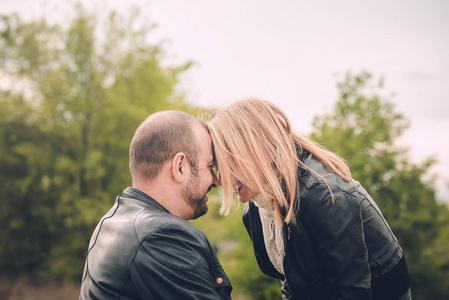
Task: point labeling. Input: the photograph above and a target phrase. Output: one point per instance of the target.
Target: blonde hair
(255, 145)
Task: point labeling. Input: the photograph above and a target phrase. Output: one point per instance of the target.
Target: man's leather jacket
(141, 251)
(336, 250)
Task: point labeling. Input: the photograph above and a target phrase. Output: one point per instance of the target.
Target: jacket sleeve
(175, 263)
(336, 229)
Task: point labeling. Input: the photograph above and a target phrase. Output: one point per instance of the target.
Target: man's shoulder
(156, 222)
(184, 244)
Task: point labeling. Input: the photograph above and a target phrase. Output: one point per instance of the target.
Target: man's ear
(179, 167)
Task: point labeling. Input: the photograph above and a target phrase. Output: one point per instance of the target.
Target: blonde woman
(311, 224)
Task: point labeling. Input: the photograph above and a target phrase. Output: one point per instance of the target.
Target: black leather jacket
(340, 250)
(141, 251)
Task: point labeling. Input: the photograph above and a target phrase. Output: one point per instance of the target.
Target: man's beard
(195, 198)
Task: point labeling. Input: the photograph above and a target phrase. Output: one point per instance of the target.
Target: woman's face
(243, 193)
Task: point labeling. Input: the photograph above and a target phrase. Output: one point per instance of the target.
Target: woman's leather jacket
(338, 249)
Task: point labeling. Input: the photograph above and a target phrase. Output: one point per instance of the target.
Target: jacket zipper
(289, 231)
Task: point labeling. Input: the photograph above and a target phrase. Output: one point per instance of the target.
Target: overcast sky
(288, 52)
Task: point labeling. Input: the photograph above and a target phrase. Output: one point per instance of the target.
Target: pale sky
(288, 52)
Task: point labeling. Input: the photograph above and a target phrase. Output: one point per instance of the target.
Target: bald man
(144, 248)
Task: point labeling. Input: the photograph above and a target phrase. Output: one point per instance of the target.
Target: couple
(311, 225)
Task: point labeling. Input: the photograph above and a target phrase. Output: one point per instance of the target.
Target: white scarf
(272, 233)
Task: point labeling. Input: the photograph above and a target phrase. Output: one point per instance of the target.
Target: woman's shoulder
(314, 172)
(318, 181)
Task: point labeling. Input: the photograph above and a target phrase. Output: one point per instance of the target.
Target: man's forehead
(205, 143)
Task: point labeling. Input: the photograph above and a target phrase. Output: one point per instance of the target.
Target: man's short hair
(159, 138)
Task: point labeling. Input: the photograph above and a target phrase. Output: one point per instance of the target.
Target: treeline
(72, 96)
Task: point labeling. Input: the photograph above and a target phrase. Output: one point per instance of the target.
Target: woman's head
(255, 151)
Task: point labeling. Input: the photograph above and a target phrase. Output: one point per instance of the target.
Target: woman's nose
(215, 181)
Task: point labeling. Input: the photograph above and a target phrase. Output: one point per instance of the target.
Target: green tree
(73, 97)
(363, 128)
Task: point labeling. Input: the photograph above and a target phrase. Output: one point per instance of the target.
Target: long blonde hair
(255, 145)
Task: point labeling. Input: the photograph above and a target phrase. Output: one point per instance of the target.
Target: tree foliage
(363, 128)
(72, 99)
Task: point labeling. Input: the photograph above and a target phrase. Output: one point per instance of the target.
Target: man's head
(159, 138)
(174, 148)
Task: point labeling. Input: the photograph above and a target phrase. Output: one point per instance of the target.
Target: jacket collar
(136, 194)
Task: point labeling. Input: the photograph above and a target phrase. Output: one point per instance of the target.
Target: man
(144, 248)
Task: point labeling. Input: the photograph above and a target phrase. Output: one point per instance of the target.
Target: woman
(311, 224)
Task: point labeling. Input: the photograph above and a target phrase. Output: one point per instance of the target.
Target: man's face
(204, 179)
